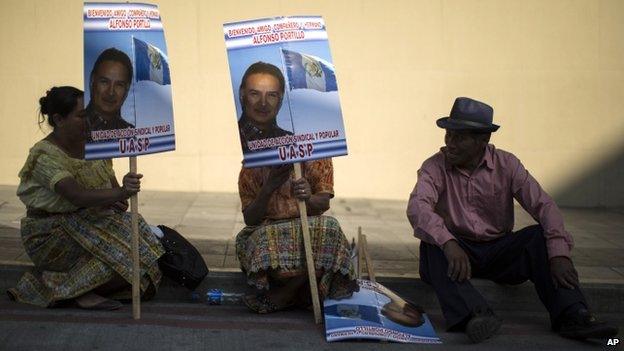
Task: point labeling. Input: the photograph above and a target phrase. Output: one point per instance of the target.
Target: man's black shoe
(583, 325)
(483, 326)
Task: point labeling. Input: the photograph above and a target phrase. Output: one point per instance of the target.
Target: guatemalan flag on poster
(309, 72)
(151, 63)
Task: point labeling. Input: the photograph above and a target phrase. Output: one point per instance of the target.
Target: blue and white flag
(309, 72)
(151, 63)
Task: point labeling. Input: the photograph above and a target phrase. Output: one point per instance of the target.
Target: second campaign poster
(127, 81)
(376, 312)
(285, 90)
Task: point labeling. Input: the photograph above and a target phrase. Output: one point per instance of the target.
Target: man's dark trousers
(511, 259)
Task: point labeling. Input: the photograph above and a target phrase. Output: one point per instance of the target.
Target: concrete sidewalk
(212, 220)
(179, 326)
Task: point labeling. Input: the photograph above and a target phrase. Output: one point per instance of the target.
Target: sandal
(260, 304)
(106, 305)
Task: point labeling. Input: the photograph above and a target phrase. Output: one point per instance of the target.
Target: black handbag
(181, 261)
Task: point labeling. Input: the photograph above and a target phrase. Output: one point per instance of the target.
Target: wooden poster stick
(369, 261)
(305, 230)
(360, 265)
(136, 275)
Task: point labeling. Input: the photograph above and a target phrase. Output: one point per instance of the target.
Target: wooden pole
(305, 231)
(136, 274)
(369, 261)
(361, 254)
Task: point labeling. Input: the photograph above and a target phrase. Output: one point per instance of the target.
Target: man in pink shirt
(462, 210)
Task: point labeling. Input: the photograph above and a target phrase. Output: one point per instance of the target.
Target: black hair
(263, 67)
(58, 100)
(112, 54)
(412, 321)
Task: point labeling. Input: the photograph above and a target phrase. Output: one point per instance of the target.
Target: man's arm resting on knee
(428, 225)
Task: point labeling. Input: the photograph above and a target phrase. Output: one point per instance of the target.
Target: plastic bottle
(218, 297)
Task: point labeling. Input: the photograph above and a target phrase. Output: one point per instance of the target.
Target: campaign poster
(127, 81)
(376, 312)
(285, 90)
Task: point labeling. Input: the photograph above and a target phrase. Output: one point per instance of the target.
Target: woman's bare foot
(282, 297)
(277, 298)
(93, 301)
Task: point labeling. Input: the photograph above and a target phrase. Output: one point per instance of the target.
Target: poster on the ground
(375, 312)
(285, 90)
(127, 81)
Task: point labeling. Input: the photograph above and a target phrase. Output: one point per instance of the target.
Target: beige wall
(552, 70)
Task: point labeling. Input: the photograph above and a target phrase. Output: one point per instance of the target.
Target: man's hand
(563, 272)
(459, 268)
(277, 176)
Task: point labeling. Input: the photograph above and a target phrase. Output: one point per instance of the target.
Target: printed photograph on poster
(285, 90)
(127, 81)
(376, 312)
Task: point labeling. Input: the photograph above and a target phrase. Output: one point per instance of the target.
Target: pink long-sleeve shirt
(479, 206)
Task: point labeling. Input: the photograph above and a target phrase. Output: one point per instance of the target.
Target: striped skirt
(76, 252)
(272, 251)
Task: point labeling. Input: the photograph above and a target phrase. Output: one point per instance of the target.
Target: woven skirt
(76, 252)
(276, 250)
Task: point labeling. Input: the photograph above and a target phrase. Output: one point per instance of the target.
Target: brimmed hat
(469, 114)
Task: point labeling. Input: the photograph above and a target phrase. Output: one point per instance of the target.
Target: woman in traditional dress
(270, 249)
(76, 230)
